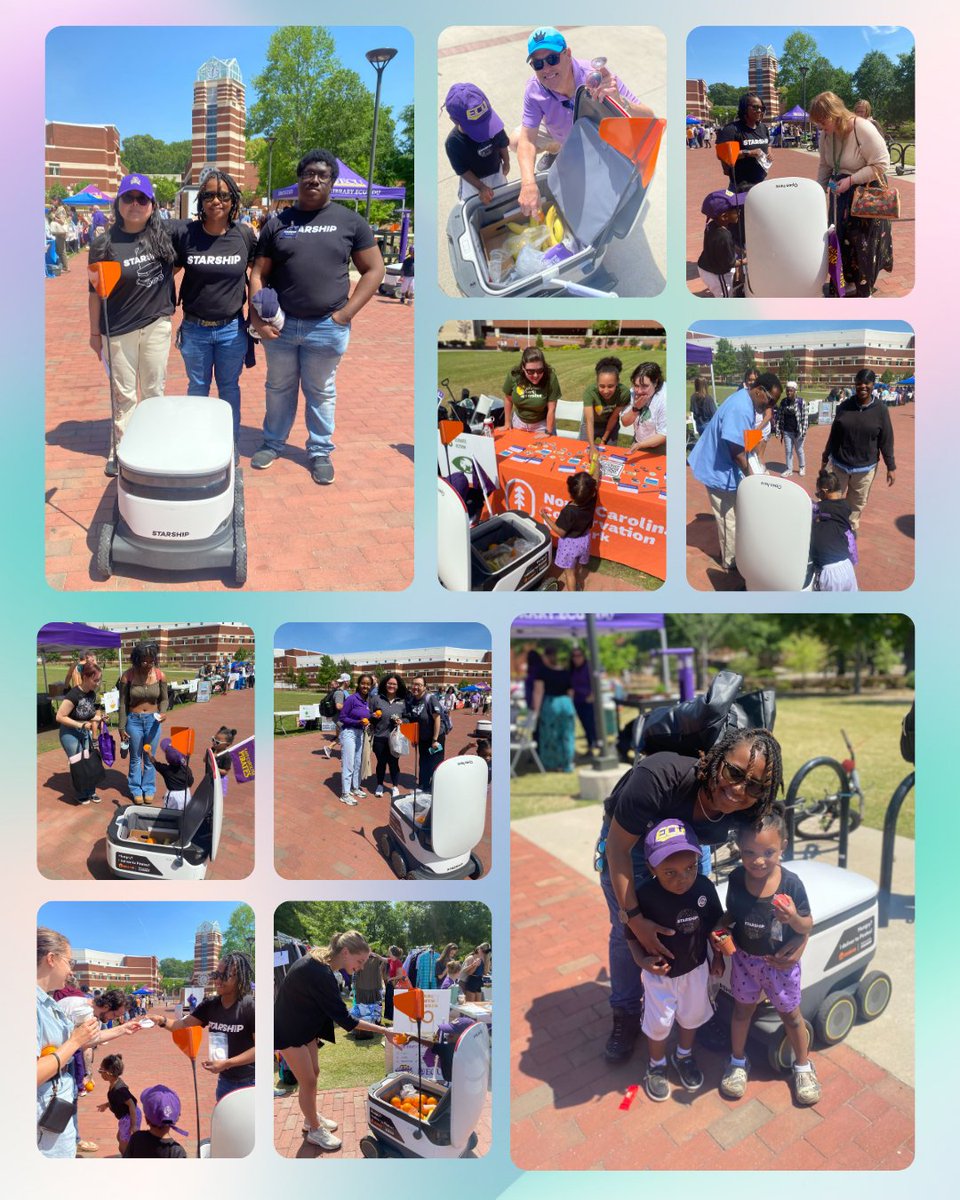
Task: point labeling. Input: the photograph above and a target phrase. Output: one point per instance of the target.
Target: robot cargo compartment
(152, 837)
(501, 544)
(392, 1091)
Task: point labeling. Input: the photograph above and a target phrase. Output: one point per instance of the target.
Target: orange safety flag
(182, 738)
(728, 152)
(104, 277)
(411, 731)
(637, 138)
(410, 1003)
(188, 1040)
(752, 439)
(449, 431)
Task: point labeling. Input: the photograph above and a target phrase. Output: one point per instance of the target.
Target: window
(53, 168)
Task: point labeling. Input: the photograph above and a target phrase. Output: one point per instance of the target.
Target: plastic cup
(498, 265)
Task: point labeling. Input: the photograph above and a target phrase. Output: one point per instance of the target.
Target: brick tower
(219, 118)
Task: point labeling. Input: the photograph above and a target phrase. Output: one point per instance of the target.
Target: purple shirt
(355, 708)
(555, 112)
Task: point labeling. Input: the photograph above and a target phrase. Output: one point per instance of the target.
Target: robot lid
(178, 436)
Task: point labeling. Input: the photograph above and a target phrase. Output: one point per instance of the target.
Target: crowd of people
(860, 438)
(311, 1000)
(74, 1022)
(368, 716)
(558, 691)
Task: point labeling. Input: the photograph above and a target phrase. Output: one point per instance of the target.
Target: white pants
(837, 577)
(177, 799)
(139, 357)
(719, 285)
(684, 1000)
(491, 181)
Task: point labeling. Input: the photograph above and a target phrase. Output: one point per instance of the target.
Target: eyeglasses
(534, 370)
(223, 197)
(736, 776)
(316, 177)
(758, 107)
(549, 60)
(135, 198)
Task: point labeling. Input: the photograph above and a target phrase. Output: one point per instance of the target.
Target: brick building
(762, 71)
(698, 100)
(218, 121)
(82, 154)
(519, 333)
(188, 645)
(104, 969)
(207, 945)
(441, 666)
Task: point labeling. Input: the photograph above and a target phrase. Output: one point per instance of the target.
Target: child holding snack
(176, 774)
(574, 528)
(120, 1100)
(769, 915)
(676, 990)
(477, 146)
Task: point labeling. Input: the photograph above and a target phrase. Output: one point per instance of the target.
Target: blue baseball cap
(669, 837)
(136, 183)
(545, 38)
(472, 111)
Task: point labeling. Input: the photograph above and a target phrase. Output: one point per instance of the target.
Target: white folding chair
(522, 742)
(570, 412)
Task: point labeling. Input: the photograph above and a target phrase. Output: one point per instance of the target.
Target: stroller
(597, 185)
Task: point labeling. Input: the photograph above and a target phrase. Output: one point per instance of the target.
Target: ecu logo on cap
(478, 111)
(668, 832)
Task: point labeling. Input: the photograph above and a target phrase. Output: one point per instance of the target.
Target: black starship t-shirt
(144, 291)
(230, 1029)
(482, 158)
(214, 284)
(757, 928)
(692, 916)
(310, 256)
(748, 170)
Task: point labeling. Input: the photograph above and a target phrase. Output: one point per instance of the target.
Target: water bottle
(488, 427)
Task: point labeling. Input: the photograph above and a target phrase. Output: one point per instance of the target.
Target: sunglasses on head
(548, 60)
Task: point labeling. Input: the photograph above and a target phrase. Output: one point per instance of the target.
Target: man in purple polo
(548, 98)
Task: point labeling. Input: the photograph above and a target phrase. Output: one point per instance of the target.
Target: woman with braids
(139, 308)
(603, 401)
(229, 1021)
(530, 394)
(306, 1007)
(144, 701)
(216, 252)
(732, 784)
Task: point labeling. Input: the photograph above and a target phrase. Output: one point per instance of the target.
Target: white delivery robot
(144, 842)
(232, 1125)
(179, 494)
(785, 227)
(432, 835)
(774, 519)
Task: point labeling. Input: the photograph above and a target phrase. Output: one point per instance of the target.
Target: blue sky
(165, 929)
(140, 78)
(718, 54)
(759, 328)
(350, 639)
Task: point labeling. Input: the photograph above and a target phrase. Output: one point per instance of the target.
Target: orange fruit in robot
(396, 1102)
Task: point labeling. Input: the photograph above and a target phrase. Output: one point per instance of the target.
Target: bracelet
(59, 1063)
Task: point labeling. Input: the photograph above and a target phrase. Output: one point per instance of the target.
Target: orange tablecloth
(630, 526)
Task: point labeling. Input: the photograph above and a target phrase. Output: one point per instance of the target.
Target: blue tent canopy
(909, 379)
(348, 186)
(87, 198)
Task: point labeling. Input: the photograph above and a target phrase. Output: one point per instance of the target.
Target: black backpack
(328, 705)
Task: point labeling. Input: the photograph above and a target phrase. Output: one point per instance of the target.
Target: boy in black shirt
(720, 252)
(161, 1111)
(676, 989)
(478, 147)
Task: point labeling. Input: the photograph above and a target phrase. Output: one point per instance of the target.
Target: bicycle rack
(890, 819)
(844, 837)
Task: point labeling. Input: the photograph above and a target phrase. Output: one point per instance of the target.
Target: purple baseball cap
(546, 38)
(472, 111)
(719, 202)
(174, 757)
(136, 183)
(161, 1106)
(669, 837)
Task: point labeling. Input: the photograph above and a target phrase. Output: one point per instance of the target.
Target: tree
(606, 328)
(876, 80)
(799, 50)
(789, 367)
(723, 114)
(724, 358)
(176, 966)
(746, 359)
(901, 101)
(539, 339)
(302, 681)
(725, 93)
(143, 153)
(398, 168)
(853, 637)
(803, 654)
(240, 932)
(56, 192)
(165, 190)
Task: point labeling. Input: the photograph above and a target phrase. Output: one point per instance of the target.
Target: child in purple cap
(161, 1111)
(686, 906)
(477, 146)
(176, 775)
(719, 257)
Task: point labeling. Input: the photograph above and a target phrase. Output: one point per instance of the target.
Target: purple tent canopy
(795, 114)
(71, 635)
(574, 624)
(348, 186)
(699, 355)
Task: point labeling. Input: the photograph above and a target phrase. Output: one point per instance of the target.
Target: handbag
(59, 1112)
(107, 747)
(876, 201)
(86, 771)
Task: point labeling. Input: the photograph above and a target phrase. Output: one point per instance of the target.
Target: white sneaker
(801, 472)
(325, 1123)
(396, 793)
(360, 793)
(324, 1139)
(346, 798)
(378, 792)
(787, 474)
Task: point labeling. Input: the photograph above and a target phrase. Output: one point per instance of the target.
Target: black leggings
(381, 751)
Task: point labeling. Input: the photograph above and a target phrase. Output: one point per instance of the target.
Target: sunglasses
(207, 197)
(221, 975)
(549, 60)
(135, 198)
(534, 370)
(737, 777)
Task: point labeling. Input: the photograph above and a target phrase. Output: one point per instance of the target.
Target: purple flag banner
(242, 757)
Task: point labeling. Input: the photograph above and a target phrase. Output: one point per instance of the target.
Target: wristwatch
(627, 914)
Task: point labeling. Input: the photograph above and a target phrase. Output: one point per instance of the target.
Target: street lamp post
(270, 139)
(377, 59)
(803, 81)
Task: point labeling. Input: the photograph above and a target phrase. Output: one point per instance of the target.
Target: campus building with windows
(207, 946)
(99, 969)
(440, 666)
(763, 70)
(189, 645)
(75, 155)
(218, 123)
(698, 99)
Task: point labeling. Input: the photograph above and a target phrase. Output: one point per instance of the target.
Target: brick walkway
(348, 1108)
(704, 174)
(295, 529)
(71, 839)
(885, 541)
(149, 1057)
(307, 800)
(565, 1112)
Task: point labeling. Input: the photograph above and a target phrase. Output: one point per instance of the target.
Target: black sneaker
(623, 1036)
(687, 1071)
(545, 162)
(111, 468)
(264, 457)
(655, 1083)
(321, 470)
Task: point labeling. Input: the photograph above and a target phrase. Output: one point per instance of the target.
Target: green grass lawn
(806, 726)
(288, 700)
(813, 395)
(483, 371)
(350, 1064)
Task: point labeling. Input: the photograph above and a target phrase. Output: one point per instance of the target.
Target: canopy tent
(348, 186)
(795, 114)
(88, 197)
(694, 121)
(909, 379)
(700, 355)
(72, 635)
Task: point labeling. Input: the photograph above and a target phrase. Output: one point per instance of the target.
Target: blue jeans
(792, 442)
(226, 1086)
(73, 741)
(351, 756)
(429, 763)
(626, 989)
(305, 355)
(209, 351)
(142, 775)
